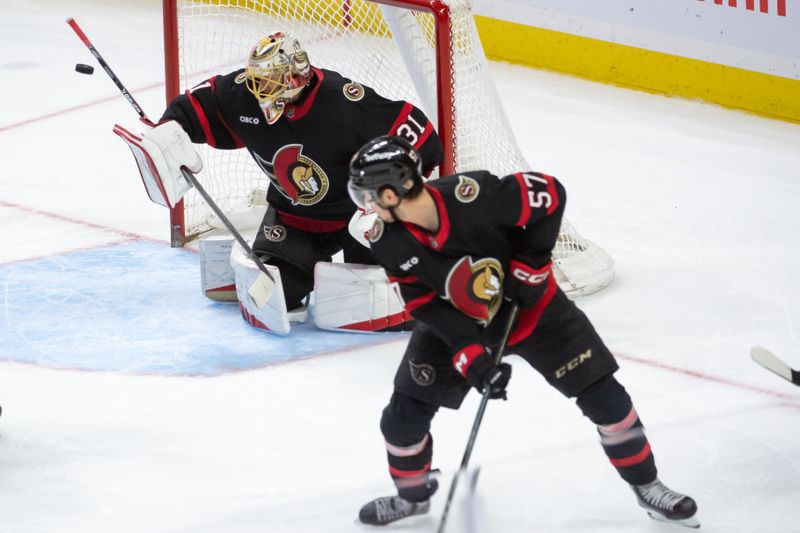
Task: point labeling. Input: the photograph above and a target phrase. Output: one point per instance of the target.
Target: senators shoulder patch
(467, 189)
(353, 91)
(376, 231)
(275, 233)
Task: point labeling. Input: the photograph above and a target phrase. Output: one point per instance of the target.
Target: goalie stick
(261, 290)
(771, 362)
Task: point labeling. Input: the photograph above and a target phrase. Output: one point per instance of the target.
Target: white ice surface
(697, 204)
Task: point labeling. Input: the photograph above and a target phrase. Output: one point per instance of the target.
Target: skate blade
(690, 522)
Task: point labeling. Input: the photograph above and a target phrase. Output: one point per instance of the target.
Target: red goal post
(424, 51)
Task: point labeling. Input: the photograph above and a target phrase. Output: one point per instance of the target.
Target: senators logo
(353, 91)
(297, 177)
(376, 231)
(275, 233)
(467, 189)
(423, 374)
(476, 289)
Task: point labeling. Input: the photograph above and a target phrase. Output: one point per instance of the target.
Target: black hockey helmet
(385, 161)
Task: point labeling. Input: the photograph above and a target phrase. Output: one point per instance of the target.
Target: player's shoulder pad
(467, 187)
(350, 90)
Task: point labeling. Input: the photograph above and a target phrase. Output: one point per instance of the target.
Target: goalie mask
(276, 73)
(385, 161)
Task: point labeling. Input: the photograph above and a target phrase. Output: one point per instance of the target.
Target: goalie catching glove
(160, 154)
(473, 363)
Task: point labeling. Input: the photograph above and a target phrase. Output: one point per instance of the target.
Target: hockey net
(424, 51)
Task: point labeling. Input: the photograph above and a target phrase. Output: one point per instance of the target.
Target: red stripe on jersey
(396, 472)
(465, 356)
(425, 134)
(201, 116)
(303, 109)
(236, 139)
(420, 301)
(633, 459)
(402, 279)
(239, 142)
(551, 190)
(401, 118)
(525, 213)
(529, 318)
(433, 241)
(444, 219)
(311, 225)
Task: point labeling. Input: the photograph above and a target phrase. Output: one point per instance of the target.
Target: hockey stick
(771, 362)
(82, 36)
(498, 355)
(261, 290)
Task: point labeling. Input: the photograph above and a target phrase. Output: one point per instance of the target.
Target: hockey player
(301, 124)
(457, 247)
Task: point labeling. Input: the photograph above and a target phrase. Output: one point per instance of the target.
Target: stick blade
(770, 361)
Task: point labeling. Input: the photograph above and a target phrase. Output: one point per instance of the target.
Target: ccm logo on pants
(573, 363)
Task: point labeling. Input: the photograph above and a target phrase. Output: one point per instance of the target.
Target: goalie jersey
(306, 152)
(452, 280)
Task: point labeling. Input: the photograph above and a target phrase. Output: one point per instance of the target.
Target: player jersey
(452, 280)
(305, 153)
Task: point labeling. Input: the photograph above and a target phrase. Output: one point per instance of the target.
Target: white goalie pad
(272, 315)
(360, 224)
(355, 298)
(160, 153)
(217, 278)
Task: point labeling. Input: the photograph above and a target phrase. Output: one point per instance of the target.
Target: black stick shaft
(82, 36)
(473, 435)
(191, 178)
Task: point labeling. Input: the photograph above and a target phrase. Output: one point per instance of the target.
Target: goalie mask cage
(424, 51)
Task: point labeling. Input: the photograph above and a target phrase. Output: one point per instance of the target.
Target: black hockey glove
(526, 284)
(477, 367)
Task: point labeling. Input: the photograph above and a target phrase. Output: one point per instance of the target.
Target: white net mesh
(392, 50)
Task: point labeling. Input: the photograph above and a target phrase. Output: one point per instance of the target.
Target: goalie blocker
(347, 297)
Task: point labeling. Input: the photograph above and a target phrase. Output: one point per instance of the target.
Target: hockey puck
(84, 69)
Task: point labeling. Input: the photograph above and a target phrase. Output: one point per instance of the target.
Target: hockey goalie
(301, 124)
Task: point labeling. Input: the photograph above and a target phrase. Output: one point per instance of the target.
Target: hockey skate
(666, 505)
(382, 511)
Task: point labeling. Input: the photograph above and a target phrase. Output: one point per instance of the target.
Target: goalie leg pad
(217, 277)
(272, 316)
(350, 297)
